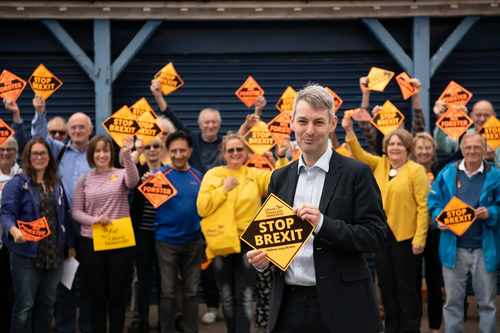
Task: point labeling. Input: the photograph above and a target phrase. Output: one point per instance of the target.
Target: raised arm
(39, 126)
(418, 114)
(131, 173)
(17, 124)
(164, 109)
(366, 127)
(357, 152)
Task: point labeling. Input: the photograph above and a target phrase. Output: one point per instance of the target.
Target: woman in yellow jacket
(243, 188)
(404, 188)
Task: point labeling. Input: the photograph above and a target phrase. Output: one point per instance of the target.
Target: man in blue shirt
(475, 182)
(179, 242)
(72, 163)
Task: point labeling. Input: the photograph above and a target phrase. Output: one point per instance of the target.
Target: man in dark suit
(328, 286)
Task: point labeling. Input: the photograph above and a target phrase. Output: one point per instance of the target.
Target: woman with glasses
(236, 185)
(36, 261)
(138, 155)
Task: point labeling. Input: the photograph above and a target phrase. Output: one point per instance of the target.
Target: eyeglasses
(61, 133)
(151, 147)
(231, 150)
(6, 150)
(37, 154)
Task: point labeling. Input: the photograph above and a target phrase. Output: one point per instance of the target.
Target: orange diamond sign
(43, 82)
(249, 92)
(260, 162)
(285, 103)
(121, 124)
(454, 123)
(5, 132)
(338, 101)
(388, 119)
(379, 78)
(169, 79)
(280, 127)
(140, 107)
(491, 131)
(259, 138)
(158, 189)
(148, 128)
(457, 215)
(455, 95)
(407, 88)
(11, 86)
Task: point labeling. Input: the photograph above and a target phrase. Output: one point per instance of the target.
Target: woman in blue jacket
(36, 263)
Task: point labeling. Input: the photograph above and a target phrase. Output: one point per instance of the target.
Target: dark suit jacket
(354, 224)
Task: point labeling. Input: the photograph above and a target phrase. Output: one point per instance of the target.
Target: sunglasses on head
(231, 150)
(61, 133)
(157, 146)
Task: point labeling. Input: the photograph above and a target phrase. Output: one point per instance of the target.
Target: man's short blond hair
(318, 97)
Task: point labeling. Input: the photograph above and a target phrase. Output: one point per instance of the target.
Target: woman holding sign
(235, 192)
(100, 197)
(404, 188)
(33, 218)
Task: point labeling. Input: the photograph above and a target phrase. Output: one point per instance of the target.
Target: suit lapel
(331, 180)
(291, 184)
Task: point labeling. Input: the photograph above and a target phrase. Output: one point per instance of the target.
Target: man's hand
(462, 108)
(230, 182)
(490, 154)
(11, 106)
(310, 212)
(146, 176)
(439, 108)
(363, 84)
(417, 249)
(39, 104)
(156, 88)
(71, 252)
(482, 213)
(376, 109)
(443, 227)
(257, 259)
(259, 105)
(17, 235)
(416, 84)
(251, 121)
(283, 147)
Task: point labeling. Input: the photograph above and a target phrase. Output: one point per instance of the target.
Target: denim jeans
(35, 295)
(236, 279)
(485, 288)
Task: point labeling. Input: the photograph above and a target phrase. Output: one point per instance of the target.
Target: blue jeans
(485, 288)
(236, 279)
(35, 292)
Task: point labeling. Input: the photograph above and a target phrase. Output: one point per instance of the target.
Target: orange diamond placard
(36, 230)
(454, 123)
(148, 128)
(43, 82)
(285, 103)
(169, 79)
(158, 189)
(378, 79)
(455, 95)
(140, 107)
(5, 132)
(121, 124)
(457, 215)
(280, 127)
(388, 119)
(11, 86)
(338, 101)
(407, 88)
(491, 131)
(259, 138)
(249, 92)
(260, 162)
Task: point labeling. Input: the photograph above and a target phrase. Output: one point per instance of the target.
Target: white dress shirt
(309, 189)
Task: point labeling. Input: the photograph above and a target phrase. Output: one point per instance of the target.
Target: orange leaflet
(378, 78)
(43, 82)
(454, 123)
(260, 162)
(249, 92)
(491, 131)
(158, 189)
(455, 95)
(36, 230)
(407, 88)
(280, 127)
(457, 215)
(338, 101)
(5, 132)
(11, 86)
(169, 79)
(285, 103)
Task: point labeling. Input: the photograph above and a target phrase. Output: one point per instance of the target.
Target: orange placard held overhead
(140, 107)
(280, 127)
(455, 95)
(378, 79)
(407, 88)
(121, 124)
(169, 79)
(454, 123)
(338, 101)
(158, 189)
(259, 138)
(260, 162)
(361, 115)
(5, 132)
(457, 215)
(249, 92)
(491, 132)
(43, 82)
(285, 103)
(34, 231)
(11, 86)
(388, 119)
(148, 128)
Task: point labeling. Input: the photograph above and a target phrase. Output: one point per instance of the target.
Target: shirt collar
(68, 146)
(323, 162)
(461, 167)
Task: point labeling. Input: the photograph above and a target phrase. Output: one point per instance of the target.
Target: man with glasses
(58, 129)
(72, 160)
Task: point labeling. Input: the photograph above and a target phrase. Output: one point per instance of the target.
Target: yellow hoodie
(404, 197)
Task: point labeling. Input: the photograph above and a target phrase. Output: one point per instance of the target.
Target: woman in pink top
(100, 197)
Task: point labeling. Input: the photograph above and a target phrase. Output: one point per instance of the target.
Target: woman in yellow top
(404, 188)
(243, 187)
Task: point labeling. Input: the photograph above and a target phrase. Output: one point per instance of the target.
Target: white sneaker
(210, 316)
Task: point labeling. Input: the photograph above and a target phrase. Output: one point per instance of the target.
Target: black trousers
(299, 312)
(433, 279)
(107, 274)
(210, 290)
(397, 269)
(6, 290)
